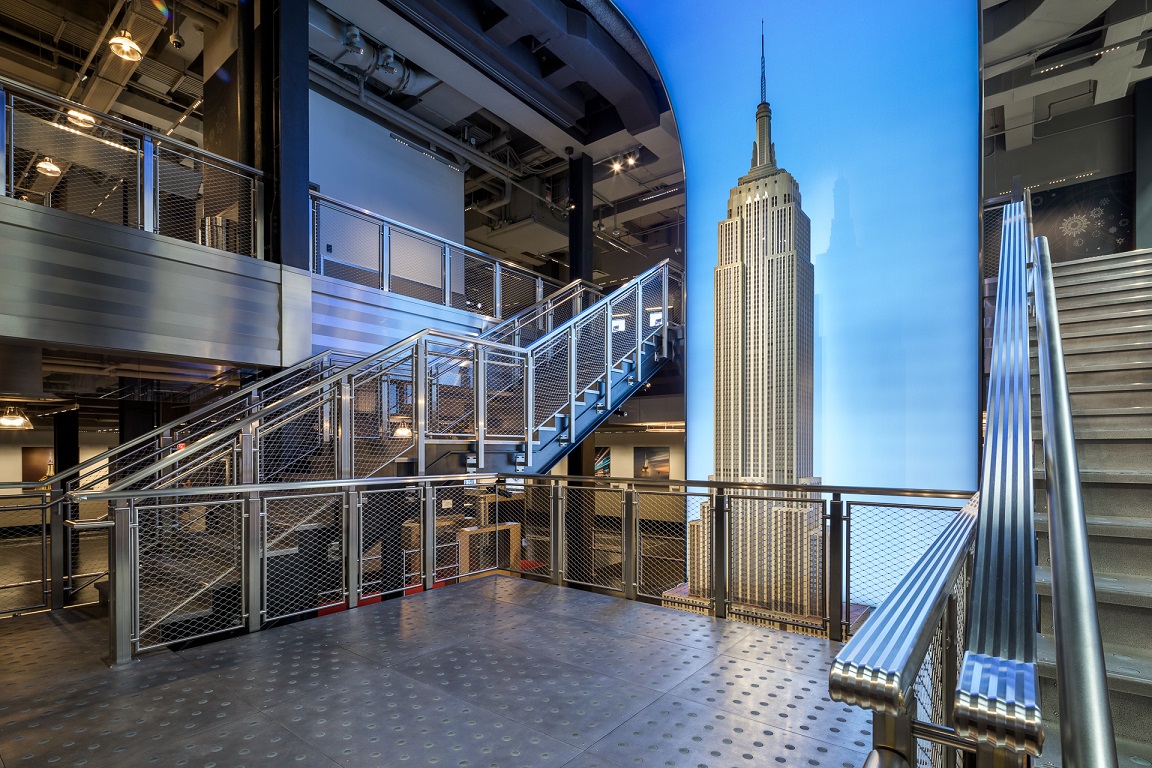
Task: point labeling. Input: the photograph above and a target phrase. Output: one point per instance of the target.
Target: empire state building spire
(763, 152)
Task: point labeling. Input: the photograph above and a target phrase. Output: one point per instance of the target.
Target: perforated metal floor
(493, 672)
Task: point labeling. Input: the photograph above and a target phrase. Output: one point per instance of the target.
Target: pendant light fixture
(14, 418)
(125, 47)
(47, 167)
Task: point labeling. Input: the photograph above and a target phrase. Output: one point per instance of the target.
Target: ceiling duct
(344, 44)
(145, 23)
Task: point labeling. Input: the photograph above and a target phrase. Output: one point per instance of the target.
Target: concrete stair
(1105, 307)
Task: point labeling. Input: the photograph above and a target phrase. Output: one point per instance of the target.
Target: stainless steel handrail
(1086, 734)
(878, 667)
(158, 432)
(14, 86)
(997, 700)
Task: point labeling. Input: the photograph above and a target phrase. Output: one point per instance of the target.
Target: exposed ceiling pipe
(100, 38)
(500, 202)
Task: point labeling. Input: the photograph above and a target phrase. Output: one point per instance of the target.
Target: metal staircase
(515, 399)
(1105, 306)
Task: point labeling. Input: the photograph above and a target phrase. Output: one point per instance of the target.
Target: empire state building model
(764, 323)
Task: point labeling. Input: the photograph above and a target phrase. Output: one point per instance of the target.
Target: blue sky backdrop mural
(875, 113)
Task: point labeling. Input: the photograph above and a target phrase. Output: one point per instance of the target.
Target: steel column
(352, 546)
(556, 503)
(123, 586)
(420, 407)
(252, 561)
(428, 539)
(630, 569)
(835, 586)
(480, 388)
(720, 554)
(59, 540)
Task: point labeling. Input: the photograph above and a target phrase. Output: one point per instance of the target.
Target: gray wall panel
(365, 320)
(77, 281)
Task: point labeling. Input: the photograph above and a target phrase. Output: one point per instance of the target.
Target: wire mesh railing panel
(675, 298)
(470, 539)
(188, 563)
(201, 202)
(776, 559)
(550, 378)
(347, 246)
(473, 282)
(662, 543)
(416, 266)
(86, 564)
(594, 536)
(298, 441)
(652, 304)
(24, 553)
(391, 541)
(530, 507)
(451, 390)
(884, 542)
(303, 546)
(383, 414)
(623, 324)
(517, 292)
(68, 161)
(506, 396)
(993, 230)
(591, 351)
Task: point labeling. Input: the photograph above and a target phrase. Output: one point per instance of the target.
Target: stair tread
(1129, 668)
(1101, 262)
(1123, 365)
(1108, 525)
(1115, 588)
(1133, 477)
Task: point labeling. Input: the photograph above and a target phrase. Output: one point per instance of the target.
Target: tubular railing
(991, 691)
(192, 562)
(1086, 734)
(436, 387)
(62, 155)
(359, 246)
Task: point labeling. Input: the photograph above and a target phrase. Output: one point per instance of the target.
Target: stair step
(1111, 588)
(1116, 544)
(1125, 275)
(1092, 476)
(1088, 396)
(1109, 450)
(1128, 418)
(1087, 300)
(1130, 754)
(1140, 284)
(1097, 263)
(1129, 669)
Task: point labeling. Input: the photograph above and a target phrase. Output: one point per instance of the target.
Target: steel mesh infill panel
(417, 266)
(303, 548)
(550, 372)
(451, 391)
(776, 559)
(391, 541)
(470, 538)
(675, 302)
(347, 246)
(189, 561)
(884, 542)
(473, 283)
(530, 506)
(591, 351)
(91, 170)
(23, 553)
(517, 292)
(623, 325)
(594, 536)
(201, 202)
(993, 230)
(383, 415)
(652, 304)
(298, 441)
(665, 546)
(505, 388)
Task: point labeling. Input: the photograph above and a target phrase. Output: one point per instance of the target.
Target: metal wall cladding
(76, 281)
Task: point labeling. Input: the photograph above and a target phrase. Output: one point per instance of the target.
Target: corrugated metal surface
(72, 280)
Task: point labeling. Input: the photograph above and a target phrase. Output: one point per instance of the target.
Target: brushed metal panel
(295, 315)
(363, 320)
(72, 280)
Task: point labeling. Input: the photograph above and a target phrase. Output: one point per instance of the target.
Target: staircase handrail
(110, 455)
(569, 292)
(1087, 737)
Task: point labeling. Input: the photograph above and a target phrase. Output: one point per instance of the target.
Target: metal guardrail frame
(448, 249)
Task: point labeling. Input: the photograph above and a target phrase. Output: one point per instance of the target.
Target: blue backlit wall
(875, 112)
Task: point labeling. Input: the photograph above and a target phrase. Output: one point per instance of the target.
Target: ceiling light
(81, 119)
(125, 47)
(48, 168)
(617, 166)
(403, 431)
(14, 418)
(631, 160)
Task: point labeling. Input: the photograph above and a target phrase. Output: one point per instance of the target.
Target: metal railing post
(446, 268)
(5, 145)
(345, 448)
(572, 331)
(122, 582)
(258, 219)
(352, 546)
(420, 415)
(608, 359)
(429, 538)
(631, 553)
(480, 388)
(836, 552)
(529, 406)
(639, 329)
(149, 194)
(556, 544)
(60, 539)
(720, 554)
(664, 312)
(498, 291)
(893, 744)
(253, 519)
(385, 258)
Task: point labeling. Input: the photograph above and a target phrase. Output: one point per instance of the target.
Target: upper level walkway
(492, 672)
